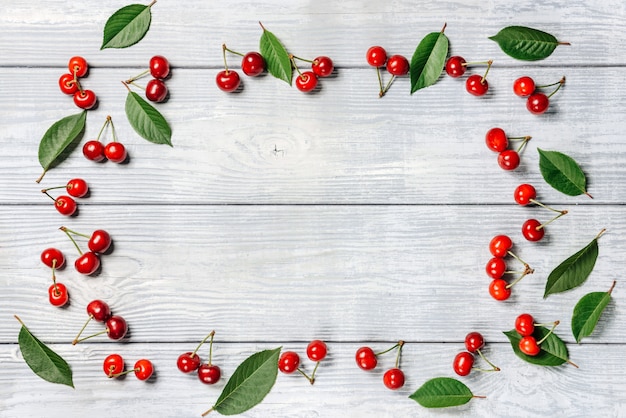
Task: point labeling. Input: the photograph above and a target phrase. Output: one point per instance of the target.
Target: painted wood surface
(279, 217)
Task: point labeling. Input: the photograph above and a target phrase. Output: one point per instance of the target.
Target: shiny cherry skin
(455, 66)
(65, 205)
(306, 82)
(474, 341)
(496, 140)
(49, 255)
(537, 103)
(67, 84)
(366, 358)
(98, 310)
(397, 65)
(143, 369)
(209, 374)
(100, 241)
(495, 267)
(393, 379)
(530, 231)
(524, 86)
(500, 245)
(498, 289)
(113, 365)
(322, 66)
(188, 362)
(509, 159)
(116, 327)
(476, 86)
(227, 80)
(85, 99)
(316, 350)
(156, 90)
(525, 324)
(93, 150)
(376, 56)
(159, 67)
(253, 64)
(528, 345)
(463, 363)
(288, 362)
(78, 65)
(77, 187)
(58, 295)
(88, 263)
(115, 152)
(524, 194)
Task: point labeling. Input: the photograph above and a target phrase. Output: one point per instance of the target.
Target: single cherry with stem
(252, 63)
(397, 66)
(305, 81)
(65, 205)
(538, 102)
(156, 90)
(474, 342)
(53, 258)
(463, 363)
(208, 373)
(78, 66)
(99, 240)
(476, 84)
(115, 151)
(88, 262)
(367, 359)
(497, 140)
(394, 378)
(116, 329)
(75, 187)
(227, 80)
(97, 310)
(510, 159)
(57, 293)
(316, 351)
(524, 86)
(113, 365)
(534, 231)
(68, 84)
(85, 99)
(529, 344)
(376, 56)
(526, 193)
(456, 66)
(159, 67)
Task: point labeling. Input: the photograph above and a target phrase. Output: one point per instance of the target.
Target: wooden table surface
(279, 217)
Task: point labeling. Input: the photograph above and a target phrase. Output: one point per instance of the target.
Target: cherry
(159, 67)
(524, 86)
(509, 159)
(156, 90)
(143, 369)
(316, 350)
(115, 151)
(500, 245)
(532, 230)
(463, 363)
(474, 341)
(100, 241)
(188, 362)
(78, 66)
(525, 194)
(525, 324)
(85, 99)
(496, 140)
(288, 362)
(68, 84)
(65, 205)
(98, 310)
(499, 289)
(322, 66)
(366, 358)
(209, 374)
(306, 81)
(113, 365)
(88, 263)
(253, 64)
(393, 378)
(537, 103)
(93, 150)
(376, 56)
(57, 294)
(227, 80)
(496, 267)
(116, 327)
(77, 187)
(53, 258)
(477, 85)
(397, 65)
(528, 345)
(455, 66)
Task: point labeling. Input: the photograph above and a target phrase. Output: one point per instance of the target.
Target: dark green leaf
(526, 44)
(54, 147)
(251, 382)
(562, 172)
(574, 270)
(146, 120)
(442, 392)
(276, 56)
(127, 26)
(428, 60)
(42, 360)
(553, 350)
(587, 312)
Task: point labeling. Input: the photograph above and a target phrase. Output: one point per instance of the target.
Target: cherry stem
(381, 93)
(309, 378)
(104, 125)
(293, 63)
(53, 188)
(64, 229)
(143, 73)
(111, 376)
(560, 84)
(482, 80)
(134, 84)
(465, 64)
(386, 89)
(231, 51)
(211, 334)
(527, 270)
(544, 206)
(398, 344)
(224, 56)
(126, 85)
(211, 347)
(76, 339)
(543, 225)
(512, 254)
(302, 59)
(523, 144)
(113, 134)
(45, 191)
(317, 364)
(554, 324)
(54, 278)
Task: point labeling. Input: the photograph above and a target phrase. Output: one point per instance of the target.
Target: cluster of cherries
(525, 327)
(156, 89)
(396, 65)
(476, 84)
(113, 367)
(532, 229)
(367, 359)
(114, 151)
(536, 102)
(188, 362)
(463, 362)
(500, 247)
(498, 141)
(69, 84)
(115, 326)
(66, 205)
(289, 361)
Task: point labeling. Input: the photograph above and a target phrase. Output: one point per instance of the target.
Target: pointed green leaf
(276, 56)
(42, 360)
(428, 60)
(127, 26)
(553, 350)
(526, 44)
(54, 147)
(146, 120)
(587, 312)
(442, 392)
(562, 173)
(250, 383)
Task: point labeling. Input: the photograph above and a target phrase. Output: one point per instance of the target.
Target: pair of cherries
(114, 151)
(57, 292)
(525, 327)
(69, 84)
(536, 102)
(498, 141)
(113, 367)
(98, 243)
(476, 84)
(66, 205)
(367, 359)
(289, 361)
(208, 373)
(396, 65)
(463, 362)
(532, 229)
(159, 68)
(115, 326)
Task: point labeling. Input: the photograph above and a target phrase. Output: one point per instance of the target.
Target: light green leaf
(442, 392)
(526, 44)
(127, 26)
(276, 56)
(146, 120)
(60, 139)
(587, 312)
(562, 173)
(428, 60)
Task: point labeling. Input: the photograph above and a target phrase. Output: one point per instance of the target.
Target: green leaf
(428, 60)
(587, 312)
(574, 270)
(127, 26)
(276, 56)
(562, 173)
(442, 392)
(250, 383)
(526, 44)
(42, 360)
(146, 120)
(54, 147)
(553, 350)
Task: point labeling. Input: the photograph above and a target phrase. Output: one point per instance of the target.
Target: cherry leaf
(526, 44)
(59, 140)
(250, 383)
(587, 312)
(146, 120)
(562, 173)
(442, 392)
(573, 271)
(42, 360)
(428, 60)
(127, 26)
(276, 56)
(553, 350)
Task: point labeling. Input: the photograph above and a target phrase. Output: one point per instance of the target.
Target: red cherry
(528, 345)
(397, 65)
(474, 341)
(87, 263)
(500, 245)
(393, 378)
(288, 362)
(307, 81)
(77, 187)
(476, 86)
(116, 327)
(524, 193)
(525, 324)
(455, 66)
(98, 310)
(115, 151)
(113, 364)
(498, 289)
(508, 159)
(496, 140)
(49, 255)
(524, 86)
(322, 66)
(156, 90)
(93, 150)
(495, 267)
(78, 65)
(316, 350)
(366, 358)
(67, 84)
(188, 362)
(227, 80)
(159, 67)
(143, 369)
(376, 56)
(463, 363)
(57, 294)
(253, 64)
(537, 103)
(65, 205)
(100, 241)
(530, 231)
(85, 99)
(209, 374)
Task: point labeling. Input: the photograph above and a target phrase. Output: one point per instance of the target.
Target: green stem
(386, 89)
(138, 76)
(106, 122)
(293, 63)
(231, 51)
(560, 84)
(211, 334)
(527, 270)
(398, 344)
(523, 144)
(548, 334)
(381, 93)
(310, 379)
(302, 59)
(64, 229)
(76, 340)
(224, 56)
(544, 206)
(563, 212)
(74, 232)
(113, 133)
(482, 80)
